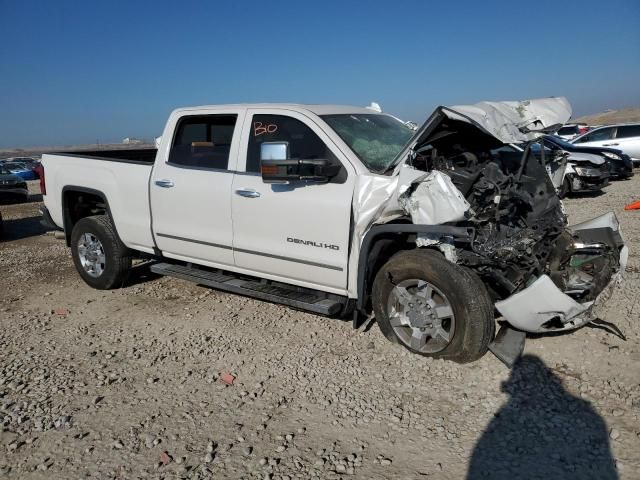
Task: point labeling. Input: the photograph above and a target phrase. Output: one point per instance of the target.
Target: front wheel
(433, 307)
(101, 259)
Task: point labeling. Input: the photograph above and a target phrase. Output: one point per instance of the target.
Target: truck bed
(145, 156)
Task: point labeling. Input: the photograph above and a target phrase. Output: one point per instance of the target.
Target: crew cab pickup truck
(345, 211)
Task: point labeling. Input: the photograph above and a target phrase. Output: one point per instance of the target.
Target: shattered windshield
(375, 139)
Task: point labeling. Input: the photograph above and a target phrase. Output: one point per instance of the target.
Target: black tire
(470, 302)
(566, 188)
(118, 257)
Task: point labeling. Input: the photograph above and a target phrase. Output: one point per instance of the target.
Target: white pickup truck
(346, 211)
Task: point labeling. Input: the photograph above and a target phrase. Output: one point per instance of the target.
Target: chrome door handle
(164, 183)
(247, 192)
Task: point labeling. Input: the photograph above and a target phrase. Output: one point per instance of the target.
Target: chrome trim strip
(252, 252)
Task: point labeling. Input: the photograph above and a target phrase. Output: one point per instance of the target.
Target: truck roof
(318, 109)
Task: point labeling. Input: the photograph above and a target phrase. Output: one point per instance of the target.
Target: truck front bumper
(543, 307)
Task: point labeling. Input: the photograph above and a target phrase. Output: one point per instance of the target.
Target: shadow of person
(543, 432)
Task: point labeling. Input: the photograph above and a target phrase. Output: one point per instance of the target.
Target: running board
(297, 297)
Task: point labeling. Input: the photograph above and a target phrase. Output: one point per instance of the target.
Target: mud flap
(508, 345)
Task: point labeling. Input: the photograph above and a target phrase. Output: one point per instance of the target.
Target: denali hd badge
(312, 243)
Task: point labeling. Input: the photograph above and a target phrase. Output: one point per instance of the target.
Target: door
(628, 140)
(191, 190)
(298, 233)
(596, 138)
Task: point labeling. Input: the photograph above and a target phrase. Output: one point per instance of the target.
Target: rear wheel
(101, 259)
(433, 307)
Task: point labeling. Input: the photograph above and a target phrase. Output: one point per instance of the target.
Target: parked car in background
(620, 164)
(21, 170)
(12, 186)
(573, 172)
(572, 130)
(624, 137)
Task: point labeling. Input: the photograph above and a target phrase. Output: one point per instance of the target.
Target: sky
(76, 72)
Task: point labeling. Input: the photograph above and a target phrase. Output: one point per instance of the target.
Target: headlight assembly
(587, 172)
(611, 155)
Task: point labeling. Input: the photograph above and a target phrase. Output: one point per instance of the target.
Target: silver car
(625, 137)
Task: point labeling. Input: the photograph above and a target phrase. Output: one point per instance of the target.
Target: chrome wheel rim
(91, 254)
(421, 316)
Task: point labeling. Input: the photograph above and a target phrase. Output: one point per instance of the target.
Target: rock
(281, 448)
(148, 440)
(208, 458)
(246, 451)
(614, 434)
(385, 461)
(117, 444)
(165, 458)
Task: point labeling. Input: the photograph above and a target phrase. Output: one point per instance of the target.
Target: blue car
(21, 170)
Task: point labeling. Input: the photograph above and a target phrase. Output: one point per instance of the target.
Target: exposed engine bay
(518, 228)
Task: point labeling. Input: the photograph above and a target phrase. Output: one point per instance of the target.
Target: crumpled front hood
(581, 157)
(508, 121)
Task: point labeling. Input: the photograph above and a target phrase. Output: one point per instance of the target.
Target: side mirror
(277, 167)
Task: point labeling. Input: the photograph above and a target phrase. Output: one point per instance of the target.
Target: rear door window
(627, 131)
(203, 141)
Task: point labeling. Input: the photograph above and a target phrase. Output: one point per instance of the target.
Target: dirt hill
(612, 116)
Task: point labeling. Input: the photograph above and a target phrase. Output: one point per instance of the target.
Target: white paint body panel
(124, 185)
(270, 224)
(198, 205)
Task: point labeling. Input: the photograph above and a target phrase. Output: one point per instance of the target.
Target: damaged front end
(542, 274)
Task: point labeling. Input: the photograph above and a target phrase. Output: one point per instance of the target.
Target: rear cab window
(203, 141)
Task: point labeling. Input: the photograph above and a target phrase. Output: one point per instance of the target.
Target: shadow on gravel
(543, 432)
(141, 273)
(19, 228)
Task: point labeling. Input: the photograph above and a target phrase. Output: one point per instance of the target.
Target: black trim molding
(251, 252)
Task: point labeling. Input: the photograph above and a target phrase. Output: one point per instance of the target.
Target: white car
(340, 210)
(572, 130)
(625, 137)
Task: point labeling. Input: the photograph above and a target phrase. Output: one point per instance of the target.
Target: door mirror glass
(274, 151)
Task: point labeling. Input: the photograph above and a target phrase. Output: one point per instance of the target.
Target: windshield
(375, 139)
(14, 166)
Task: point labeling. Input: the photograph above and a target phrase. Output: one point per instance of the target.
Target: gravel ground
(130, 383)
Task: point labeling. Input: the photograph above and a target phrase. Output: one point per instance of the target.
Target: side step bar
(302, 298)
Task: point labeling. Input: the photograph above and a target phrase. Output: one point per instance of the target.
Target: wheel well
(384, 247)
(381, 242)
(79, 204)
